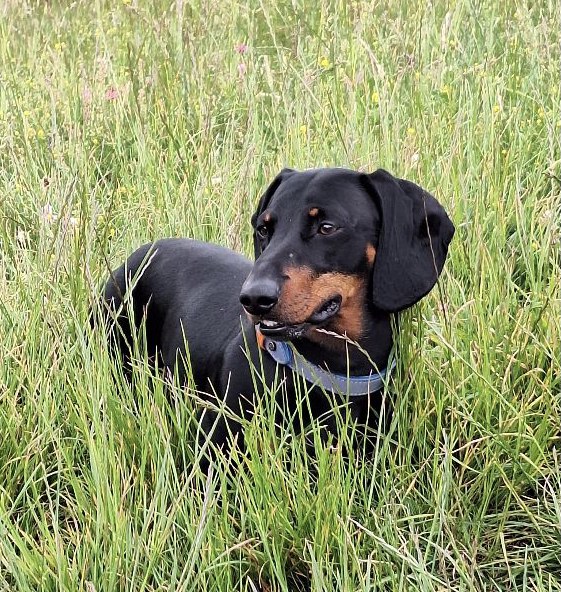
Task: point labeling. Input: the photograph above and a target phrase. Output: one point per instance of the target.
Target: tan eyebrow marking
(267, 217)
(313, 212)
(370, 253)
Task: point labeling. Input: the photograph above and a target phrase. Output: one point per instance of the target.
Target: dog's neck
(342, 356)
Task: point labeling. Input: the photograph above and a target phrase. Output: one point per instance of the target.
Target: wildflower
(60, 46)
(40, 134)
(111, 93)
(47, 214)
(410, 131)
(241, 48)
(303, 129)
(375, 98)
(87, 95)
(496, 108)
(242, 69)
(73, 221)
(22, 237)
(324, 62)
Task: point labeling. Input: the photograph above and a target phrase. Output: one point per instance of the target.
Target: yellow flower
(303, 129)
(375, 98)
(40, 134)
(324, 62)
(496, 108)
(445, 89)
(410, 131)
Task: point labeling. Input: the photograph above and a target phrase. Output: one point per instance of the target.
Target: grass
(121, 122)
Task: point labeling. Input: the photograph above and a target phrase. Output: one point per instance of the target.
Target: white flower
(22, 237)
(47, 214)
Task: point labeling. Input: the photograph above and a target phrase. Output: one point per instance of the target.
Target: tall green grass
(121, 122)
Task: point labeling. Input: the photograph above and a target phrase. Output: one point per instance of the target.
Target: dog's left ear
(412, 243)
(264, 204)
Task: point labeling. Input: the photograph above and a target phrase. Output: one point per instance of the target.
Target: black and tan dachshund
(337, 252)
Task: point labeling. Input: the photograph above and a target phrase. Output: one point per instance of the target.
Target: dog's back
(179, 288)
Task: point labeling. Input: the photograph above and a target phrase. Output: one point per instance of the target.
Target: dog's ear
(264, 203)
(412, 243)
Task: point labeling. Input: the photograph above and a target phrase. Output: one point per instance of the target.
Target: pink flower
(87, 95)
(241, 48)
(111, 93)
(242, 69)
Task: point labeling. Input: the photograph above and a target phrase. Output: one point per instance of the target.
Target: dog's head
(330, 242)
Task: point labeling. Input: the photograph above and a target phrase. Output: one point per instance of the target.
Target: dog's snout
(258, 297)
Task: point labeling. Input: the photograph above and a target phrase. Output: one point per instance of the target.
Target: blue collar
(352, 386)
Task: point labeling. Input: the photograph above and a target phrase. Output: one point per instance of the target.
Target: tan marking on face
(304, 292)
(313, 212)
(267, 218)
(370, 254)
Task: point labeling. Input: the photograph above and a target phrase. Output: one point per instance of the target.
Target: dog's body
(337, 252)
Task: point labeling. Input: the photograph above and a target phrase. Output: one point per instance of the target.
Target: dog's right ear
(412, 243)
(264, 203)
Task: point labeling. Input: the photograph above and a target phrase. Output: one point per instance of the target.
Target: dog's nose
(259, 297)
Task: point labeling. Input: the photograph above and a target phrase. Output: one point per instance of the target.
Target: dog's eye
(327, 228)
(262, 232)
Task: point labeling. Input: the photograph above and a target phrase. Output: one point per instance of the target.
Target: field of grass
(129, 120)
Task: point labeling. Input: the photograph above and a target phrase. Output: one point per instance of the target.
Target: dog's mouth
(320, 317)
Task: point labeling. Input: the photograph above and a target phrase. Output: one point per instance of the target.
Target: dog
(338, 253)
